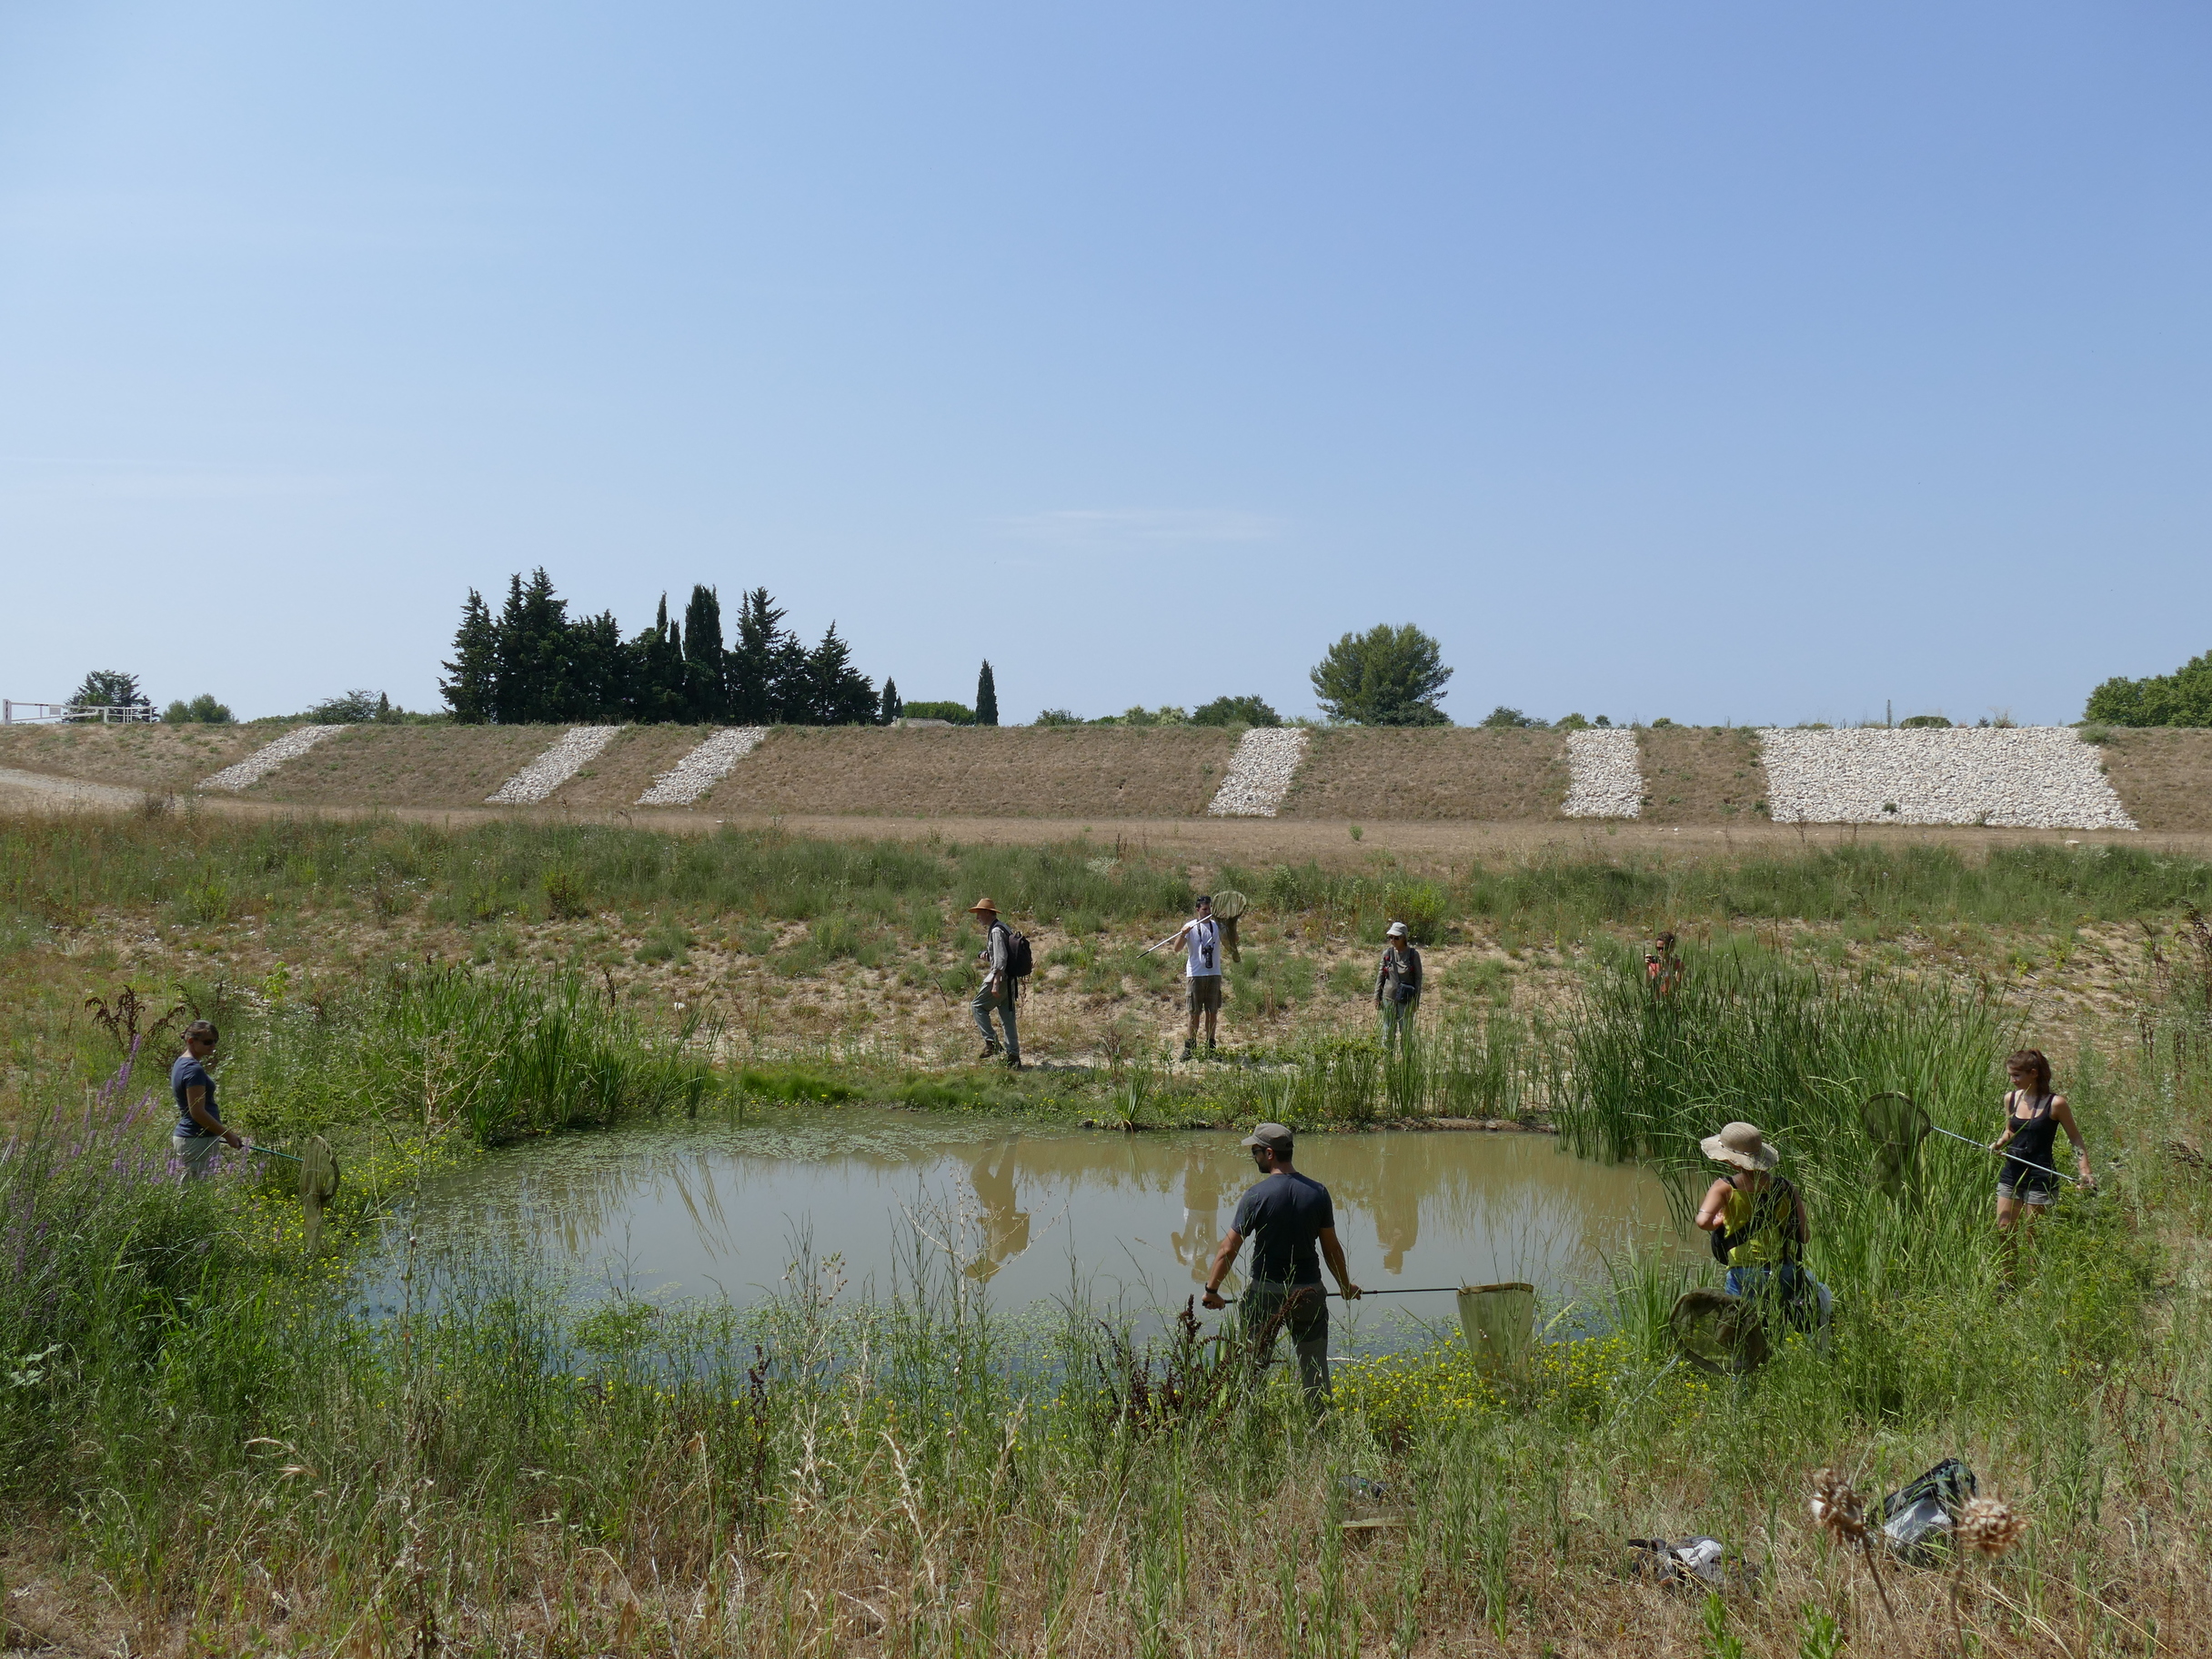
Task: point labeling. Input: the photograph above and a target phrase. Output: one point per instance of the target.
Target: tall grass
(211, 869)
(493, 1055)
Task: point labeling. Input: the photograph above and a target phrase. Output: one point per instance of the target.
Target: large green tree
(704, 684)
(110, 688)
(472, 692)
(1385, 677)
(2183, 697)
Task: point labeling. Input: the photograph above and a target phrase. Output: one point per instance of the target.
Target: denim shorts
(2029, 1186)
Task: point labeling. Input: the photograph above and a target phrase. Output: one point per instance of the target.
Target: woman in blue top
(199, 1127)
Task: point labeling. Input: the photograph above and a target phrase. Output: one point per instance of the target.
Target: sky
(1723, 362)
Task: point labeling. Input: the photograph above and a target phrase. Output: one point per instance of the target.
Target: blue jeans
(986, 999)
(1806, 1301)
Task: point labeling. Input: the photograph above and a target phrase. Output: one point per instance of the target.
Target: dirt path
(1418, 844)
(23, 792)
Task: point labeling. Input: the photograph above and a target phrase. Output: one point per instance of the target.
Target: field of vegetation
(203, 1450)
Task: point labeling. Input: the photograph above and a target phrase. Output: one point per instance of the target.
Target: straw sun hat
(982, 905)
(1743, 1145)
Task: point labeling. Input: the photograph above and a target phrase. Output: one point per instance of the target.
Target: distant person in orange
(1662, 967)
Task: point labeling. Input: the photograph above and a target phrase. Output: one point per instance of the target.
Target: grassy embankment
(843, 967)
(191, 1419)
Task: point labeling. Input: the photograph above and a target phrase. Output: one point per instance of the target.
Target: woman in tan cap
(1758, 1224)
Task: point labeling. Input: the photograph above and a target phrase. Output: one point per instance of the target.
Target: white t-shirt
(1203, 946)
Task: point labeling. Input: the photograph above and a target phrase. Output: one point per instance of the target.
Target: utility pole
(1889, 714)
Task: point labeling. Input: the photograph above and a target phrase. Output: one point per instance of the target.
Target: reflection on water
(715, 1209)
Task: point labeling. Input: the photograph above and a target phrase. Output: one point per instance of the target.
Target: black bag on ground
(1917, 1518)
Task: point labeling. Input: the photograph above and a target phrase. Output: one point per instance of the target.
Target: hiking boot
(1210, 1049)
(990, 1052)
(1189, 1050)
(1013, 1063)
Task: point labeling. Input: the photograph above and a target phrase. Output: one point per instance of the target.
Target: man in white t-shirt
(1201, 938)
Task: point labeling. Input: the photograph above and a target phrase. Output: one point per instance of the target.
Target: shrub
(2183, 697)
(960, 714)
(1235, 711)
(1509, 718)
(202, 710)
(1925, 722)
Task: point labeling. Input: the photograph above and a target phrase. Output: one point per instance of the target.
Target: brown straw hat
(983, 904)
(1743, 1145)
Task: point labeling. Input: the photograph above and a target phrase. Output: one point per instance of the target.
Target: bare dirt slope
(1010, 771)
(626, 767)
(2164, 777)
(1703, 775)
(1449, 773)
(164, 759)
(407, 766)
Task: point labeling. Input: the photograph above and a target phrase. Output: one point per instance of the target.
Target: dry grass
(1014, 771)
(2163, 778)
(1703, 775)
(408, 766)
(1421, 775)
(162, 758)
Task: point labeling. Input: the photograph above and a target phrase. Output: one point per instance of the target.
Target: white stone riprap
(2012, 777)
(1605, 775)
(702, 768)
(1260, 772)
(244, 774)
(539, 780)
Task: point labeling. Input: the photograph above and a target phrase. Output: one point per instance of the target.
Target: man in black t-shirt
(1292, 1227)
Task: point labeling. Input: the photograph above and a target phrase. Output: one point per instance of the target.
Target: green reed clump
(1784, 1046)
(492, 1055)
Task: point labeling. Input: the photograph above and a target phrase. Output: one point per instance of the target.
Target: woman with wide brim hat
(1758, 1223)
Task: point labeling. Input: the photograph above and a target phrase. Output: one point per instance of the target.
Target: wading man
(1292, 1229)
(199, 1127)
(995, 960)
(1200, 938)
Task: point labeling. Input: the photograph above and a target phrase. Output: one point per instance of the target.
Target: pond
(721, 1210)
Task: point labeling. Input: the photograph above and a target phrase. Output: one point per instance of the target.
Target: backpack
(1019, 962)
(1777, 1207)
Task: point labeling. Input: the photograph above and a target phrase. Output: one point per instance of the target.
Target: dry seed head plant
(1990, 1526)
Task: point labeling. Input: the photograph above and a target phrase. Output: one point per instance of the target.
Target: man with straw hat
(999, 984)
(1292, 1228)
(1758, 1223)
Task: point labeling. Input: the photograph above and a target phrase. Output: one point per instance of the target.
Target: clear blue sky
(1745, 362)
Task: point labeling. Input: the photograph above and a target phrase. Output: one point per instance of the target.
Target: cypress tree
(706, 699)
(660, 658)
(986, 698)
(837, 694)
(748, 668)
(892, 705)
(470, 693)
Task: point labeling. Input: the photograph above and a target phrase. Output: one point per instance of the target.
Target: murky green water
(719, 1210)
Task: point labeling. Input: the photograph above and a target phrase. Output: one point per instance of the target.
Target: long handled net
(1895, 1127)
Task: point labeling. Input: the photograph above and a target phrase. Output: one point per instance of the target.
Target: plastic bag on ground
(1917, 1518)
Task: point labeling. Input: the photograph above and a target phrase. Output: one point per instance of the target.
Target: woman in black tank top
(2027, 1181)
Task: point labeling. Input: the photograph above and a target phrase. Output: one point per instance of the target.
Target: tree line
(531, 663)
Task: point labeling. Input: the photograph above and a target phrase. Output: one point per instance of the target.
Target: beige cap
(1272, 1136)
(1743, 1145)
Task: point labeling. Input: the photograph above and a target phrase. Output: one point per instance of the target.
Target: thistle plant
(1841, 1513)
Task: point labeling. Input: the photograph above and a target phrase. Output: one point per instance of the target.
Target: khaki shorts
(1204, 993)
